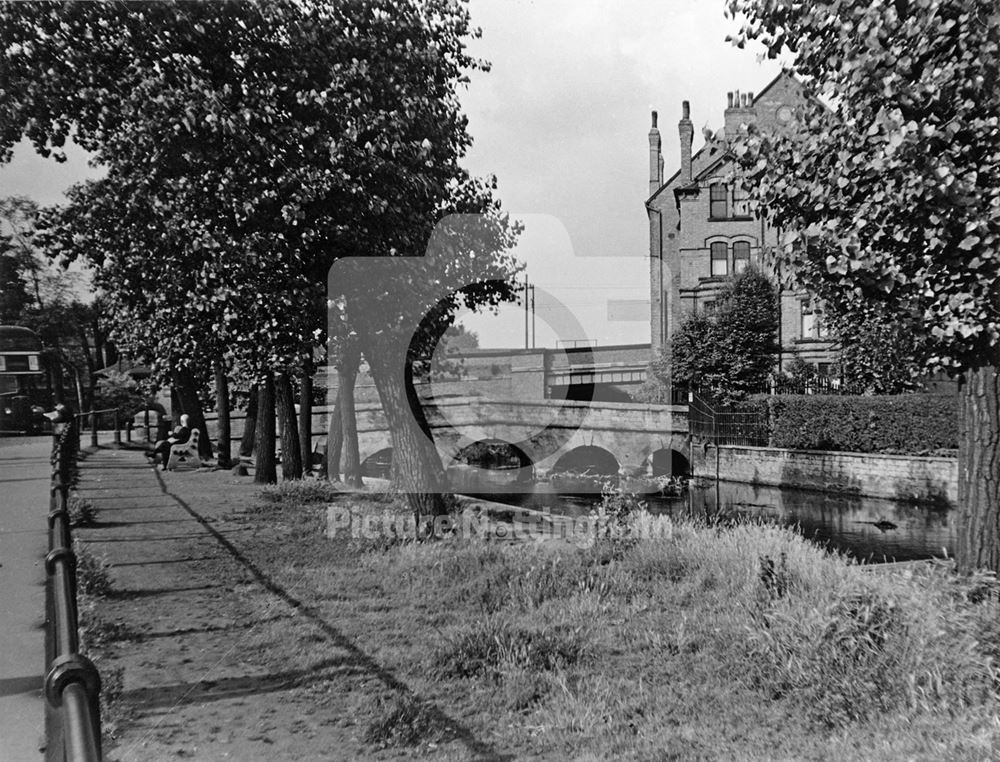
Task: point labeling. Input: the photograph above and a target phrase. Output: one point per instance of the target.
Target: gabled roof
(714, 163)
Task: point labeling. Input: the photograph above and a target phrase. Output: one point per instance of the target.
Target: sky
(562, 120)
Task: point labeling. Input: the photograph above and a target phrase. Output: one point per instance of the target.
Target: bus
(21, 394)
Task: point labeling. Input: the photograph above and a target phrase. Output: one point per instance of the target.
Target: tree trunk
(416, 463)
(222, 411)
(187, 394)
(291, 455)
(250, 425)
(347, 375)
(979, 471)
(265, 470)
(334, 442)
(305, 416)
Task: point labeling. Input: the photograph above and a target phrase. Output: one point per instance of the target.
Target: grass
(680, 641)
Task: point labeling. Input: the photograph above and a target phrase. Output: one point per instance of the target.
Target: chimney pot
(750, 99)
(729, 98)
(685, 110)
(654, 119)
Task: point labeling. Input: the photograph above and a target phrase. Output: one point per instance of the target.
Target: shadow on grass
(356, 657)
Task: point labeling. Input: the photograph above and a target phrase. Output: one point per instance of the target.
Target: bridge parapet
(543, 429)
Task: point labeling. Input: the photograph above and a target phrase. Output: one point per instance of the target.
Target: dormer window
(718, 196)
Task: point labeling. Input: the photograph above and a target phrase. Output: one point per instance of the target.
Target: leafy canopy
(891, 198)
(731, 352)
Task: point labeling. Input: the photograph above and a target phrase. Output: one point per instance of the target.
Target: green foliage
(880, 354)
(891, 197)
(656, 388)
(911, 423)
(119, 390)
(731, 352)
(800, 372)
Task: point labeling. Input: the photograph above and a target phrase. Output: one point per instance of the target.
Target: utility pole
(526, 307)
(532, 315)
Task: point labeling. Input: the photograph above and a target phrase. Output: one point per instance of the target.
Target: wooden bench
(187, 451)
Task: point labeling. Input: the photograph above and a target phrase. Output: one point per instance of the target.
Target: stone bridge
(642, 439)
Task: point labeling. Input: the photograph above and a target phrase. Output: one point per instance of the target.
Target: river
(869, 529)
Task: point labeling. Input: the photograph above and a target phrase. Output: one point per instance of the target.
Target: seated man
(180, 435)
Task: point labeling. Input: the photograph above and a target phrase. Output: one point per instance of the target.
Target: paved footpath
(25, 476)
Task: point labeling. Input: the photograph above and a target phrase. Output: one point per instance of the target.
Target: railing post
(118, 432)
(128, 430)
(93, 429)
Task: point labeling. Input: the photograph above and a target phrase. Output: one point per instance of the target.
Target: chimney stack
(739, 111)
(686, 130)
(655, 159)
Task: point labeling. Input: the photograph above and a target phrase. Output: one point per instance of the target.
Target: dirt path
(216, 659)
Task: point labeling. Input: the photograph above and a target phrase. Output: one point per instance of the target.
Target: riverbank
(240, 628)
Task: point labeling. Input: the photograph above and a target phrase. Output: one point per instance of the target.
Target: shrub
(910, 423)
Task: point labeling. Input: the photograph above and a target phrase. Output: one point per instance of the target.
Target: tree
(731, 352)
(880, 354)
(891, 196)
(248, 147)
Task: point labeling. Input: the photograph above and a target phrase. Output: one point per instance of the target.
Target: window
(741, 202)
(720, 259)
(809, 322)
(718, 196)
(741, 256)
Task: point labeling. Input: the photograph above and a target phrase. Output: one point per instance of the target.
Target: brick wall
(897, 477)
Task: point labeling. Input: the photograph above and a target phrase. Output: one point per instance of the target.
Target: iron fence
(725, 424)
(72, 683)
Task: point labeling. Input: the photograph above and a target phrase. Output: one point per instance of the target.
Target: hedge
(908, 423)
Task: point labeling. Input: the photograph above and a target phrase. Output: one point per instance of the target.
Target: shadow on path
(357, 657)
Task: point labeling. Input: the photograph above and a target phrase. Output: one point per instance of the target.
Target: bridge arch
(591, 458)
(378, 464)
(493, 454)
(669, 462)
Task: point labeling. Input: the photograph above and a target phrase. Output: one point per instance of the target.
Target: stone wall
(898, 477)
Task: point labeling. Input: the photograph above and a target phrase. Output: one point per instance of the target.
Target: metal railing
(94, 420)
(726, 425)
(72, 683)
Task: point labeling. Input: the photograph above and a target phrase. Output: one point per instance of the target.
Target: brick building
(702, 229)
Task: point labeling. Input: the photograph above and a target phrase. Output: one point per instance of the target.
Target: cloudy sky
(562, 121)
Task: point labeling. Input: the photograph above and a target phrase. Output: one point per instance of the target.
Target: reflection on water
(864, 527)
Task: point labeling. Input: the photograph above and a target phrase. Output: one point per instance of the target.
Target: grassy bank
(702, 642)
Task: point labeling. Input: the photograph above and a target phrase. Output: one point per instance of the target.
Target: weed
(300, 492)
(495, 644)
(115, 711)
(95, 630)
(403, 720)
(82, 512)
(93, 575)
